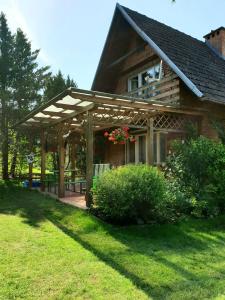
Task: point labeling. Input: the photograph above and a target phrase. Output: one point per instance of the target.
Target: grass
(49, 250)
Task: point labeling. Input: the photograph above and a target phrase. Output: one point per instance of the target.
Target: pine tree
(57, 84)
(28, 78)
(22, 83)
(6, 65)
(27, 85)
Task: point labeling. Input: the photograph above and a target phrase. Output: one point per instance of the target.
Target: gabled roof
(198, 66)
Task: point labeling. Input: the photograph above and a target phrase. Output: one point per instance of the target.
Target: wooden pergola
(77, 110)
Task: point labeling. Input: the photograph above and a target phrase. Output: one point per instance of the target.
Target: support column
(30, 164)
(73, 162)
(89, 158)
(43, 159)
(150, 142)
(61, 151)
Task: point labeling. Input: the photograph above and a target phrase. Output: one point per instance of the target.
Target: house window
(137, 153)
(142, 79)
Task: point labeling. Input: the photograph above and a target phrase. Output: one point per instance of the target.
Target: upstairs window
(142, 79)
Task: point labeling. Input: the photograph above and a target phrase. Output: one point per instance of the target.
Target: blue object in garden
(35, 183)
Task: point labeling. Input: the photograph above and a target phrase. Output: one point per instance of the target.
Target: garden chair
(98, 170)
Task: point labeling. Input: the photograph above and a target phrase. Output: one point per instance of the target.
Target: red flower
(133, 140)
(111, 138)
(122, 142)
(106, 134)
(126, 128)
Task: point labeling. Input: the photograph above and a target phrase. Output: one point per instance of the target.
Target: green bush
(134, 193)
(199, 167)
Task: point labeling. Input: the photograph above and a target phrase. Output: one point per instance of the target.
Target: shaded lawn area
(49, 250)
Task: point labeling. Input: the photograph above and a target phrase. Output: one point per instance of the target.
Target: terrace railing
(166, 90)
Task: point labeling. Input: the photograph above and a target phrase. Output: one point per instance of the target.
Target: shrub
(199, 167)
(134, 193)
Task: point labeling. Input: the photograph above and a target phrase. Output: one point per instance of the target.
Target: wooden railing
(166, 90)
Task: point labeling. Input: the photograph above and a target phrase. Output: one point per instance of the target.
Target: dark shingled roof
(193, 57)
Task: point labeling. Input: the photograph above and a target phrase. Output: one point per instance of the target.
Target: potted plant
(119, 136)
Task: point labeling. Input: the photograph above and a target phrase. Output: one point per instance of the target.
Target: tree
(27, 83)
(21, 85)
(57, 84)
(6, 65)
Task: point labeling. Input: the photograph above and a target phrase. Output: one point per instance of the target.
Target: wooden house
(152, 78)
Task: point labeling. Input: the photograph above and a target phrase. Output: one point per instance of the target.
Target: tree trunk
(14, 157)
(5, 140)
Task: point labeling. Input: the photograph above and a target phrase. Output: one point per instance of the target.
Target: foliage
(21, 84)
(133, 193)
(56, 84)
(220, 128)
(81, 157)
(199, 167)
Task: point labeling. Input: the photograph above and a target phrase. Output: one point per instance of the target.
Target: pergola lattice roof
(71, 107)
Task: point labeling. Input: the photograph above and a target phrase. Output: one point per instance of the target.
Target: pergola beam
(66, 106)
(118, 100)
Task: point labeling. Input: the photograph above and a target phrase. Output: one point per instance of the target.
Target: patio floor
(72, 198)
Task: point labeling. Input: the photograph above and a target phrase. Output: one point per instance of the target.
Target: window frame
(139, 75)
(157, 159)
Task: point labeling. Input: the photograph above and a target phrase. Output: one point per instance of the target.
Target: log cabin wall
(137, 62)
(213, 111)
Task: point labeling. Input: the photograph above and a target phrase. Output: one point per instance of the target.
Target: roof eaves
(153, 45)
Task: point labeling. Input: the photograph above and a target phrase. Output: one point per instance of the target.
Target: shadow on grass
(29, 204)
(113, 245)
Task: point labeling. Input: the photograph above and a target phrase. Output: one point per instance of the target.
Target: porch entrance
(137, 153)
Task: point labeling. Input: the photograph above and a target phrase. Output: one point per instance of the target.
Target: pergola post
(89, 158)
(73, 160)
(61, 152)
(150, 141)
(31, 163)
(43, 160)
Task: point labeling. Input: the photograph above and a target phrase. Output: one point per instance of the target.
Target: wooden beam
(89, 158)
(129, 102)
(45, 105)
(43, 159)
(150, 142)
(73, 160)
(81, 110)
(61, 152)
(67, 106)
(54, 113)
(40, 119)
(122, 58)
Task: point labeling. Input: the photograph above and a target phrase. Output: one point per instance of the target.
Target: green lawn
(49, 250)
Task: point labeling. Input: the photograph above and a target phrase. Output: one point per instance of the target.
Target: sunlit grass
(49, 250)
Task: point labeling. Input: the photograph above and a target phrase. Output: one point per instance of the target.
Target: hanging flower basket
(120, 136)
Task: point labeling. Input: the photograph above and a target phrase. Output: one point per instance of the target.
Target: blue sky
(71, 33)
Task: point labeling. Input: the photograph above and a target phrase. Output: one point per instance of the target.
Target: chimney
(216, 40)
